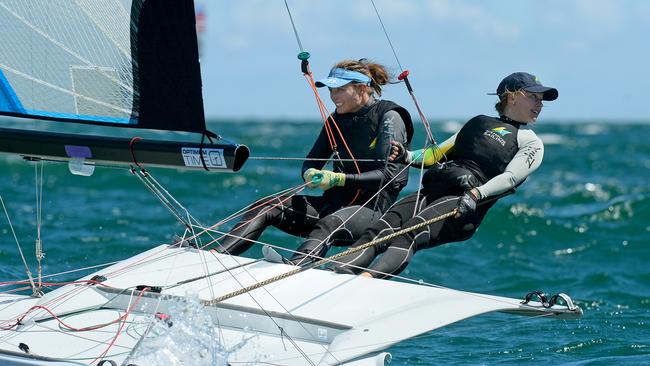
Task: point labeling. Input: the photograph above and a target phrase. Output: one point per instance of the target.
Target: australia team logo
(497, 134)
(501, 131)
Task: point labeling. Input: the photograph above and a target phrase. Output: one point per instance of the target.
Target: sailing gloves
(323, 179)
(466, 204)
(308, 176)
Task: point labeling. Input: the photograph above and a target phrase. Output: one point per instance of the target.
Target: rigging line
(119, 330)
(20, 250)
(143, 260)
(425, 122)
(238, 213)
(386, 161)
(309, 159)
(230, 217)
(227, 269)
(142, 175)
(269, 197)
(386, 34)
(245, 269)
(328, 237)
(242, 224)
(327, 117)
(283, 197)
(293, 25)
(247, 209)
(243, 266)
(80, 269)
(352, 250)
(421, 178)
(66, 161)
(39, 210)
(213, 273)
(160, 189)
(404, 76)
(209, 279)
(328, 259)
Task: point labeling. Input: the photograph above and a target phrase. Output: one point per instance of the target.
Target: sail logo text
(213, 157)
(496, 136)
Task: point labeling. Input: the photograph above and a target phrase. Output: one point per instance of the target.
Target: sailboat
(134, 64)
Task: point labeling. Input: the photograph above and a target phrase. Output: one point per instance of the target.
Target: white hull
(326, 317)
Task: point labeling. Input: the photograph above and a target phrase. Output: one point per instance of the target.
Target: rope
(329, 259)
(329, 236)
(326, 116)
(20, 250)
(39, 243)
(404, 76)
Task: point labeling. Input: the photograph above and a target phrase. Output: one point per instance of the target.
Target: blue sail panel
(8, 99)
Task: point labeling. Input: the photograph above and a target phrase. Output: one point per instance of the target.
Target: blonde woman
(487, 157)
(367, 125)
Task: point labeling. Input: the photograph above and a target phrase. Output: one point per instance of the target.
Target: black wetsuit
(483, 150)
(368, 133)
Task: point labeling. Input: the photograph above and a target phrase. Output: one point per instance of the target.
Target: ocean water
(579, 225)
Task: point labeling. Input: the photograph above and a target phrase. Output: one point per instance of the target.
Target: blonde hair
(500, 106)
(377, 73)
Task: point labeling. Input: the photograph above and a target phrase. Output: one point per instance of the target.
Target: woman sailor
(361, 128)
(487, 157)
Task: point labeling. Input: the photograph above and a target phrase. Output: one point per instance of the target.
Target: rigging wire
(387, 37)
(342, 224)
(293, 25)
(328, 259)
(161, 191)
(326, 116)
(427, 127)
(39, 210)
(309, 159)
(20, 250)
(404, 77)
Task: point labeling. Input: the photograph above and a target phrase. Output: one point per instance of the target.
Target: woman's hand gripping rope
(467, 204)
(323, 179)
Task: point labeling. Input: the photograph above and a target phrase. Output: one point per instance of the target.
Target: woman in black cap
(367, 126)
(487, 157)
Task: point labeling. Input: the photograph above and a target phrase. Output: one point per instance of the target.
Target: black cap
(527, 82)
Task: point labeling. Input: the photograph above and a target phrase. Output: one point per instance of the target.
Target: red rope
(132, 149)
(327, 119)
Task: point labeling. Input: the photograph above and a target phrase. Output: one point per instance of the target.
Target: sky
(595, 52)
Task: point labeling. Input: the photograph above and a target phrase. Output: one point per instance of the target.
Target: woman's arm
(430, 155)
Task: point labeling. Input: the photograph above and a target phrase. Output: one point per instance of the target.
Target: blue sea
(579, 225)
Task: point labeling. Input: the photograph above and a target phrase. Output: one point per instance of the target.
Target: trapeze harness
(483, 148)
(368, 133)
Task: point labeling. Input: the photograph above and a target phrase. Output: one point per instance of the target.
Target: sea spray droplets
(192, 339)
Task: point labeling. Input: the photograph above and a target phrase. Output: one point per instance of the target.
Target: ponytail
(377, 73)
